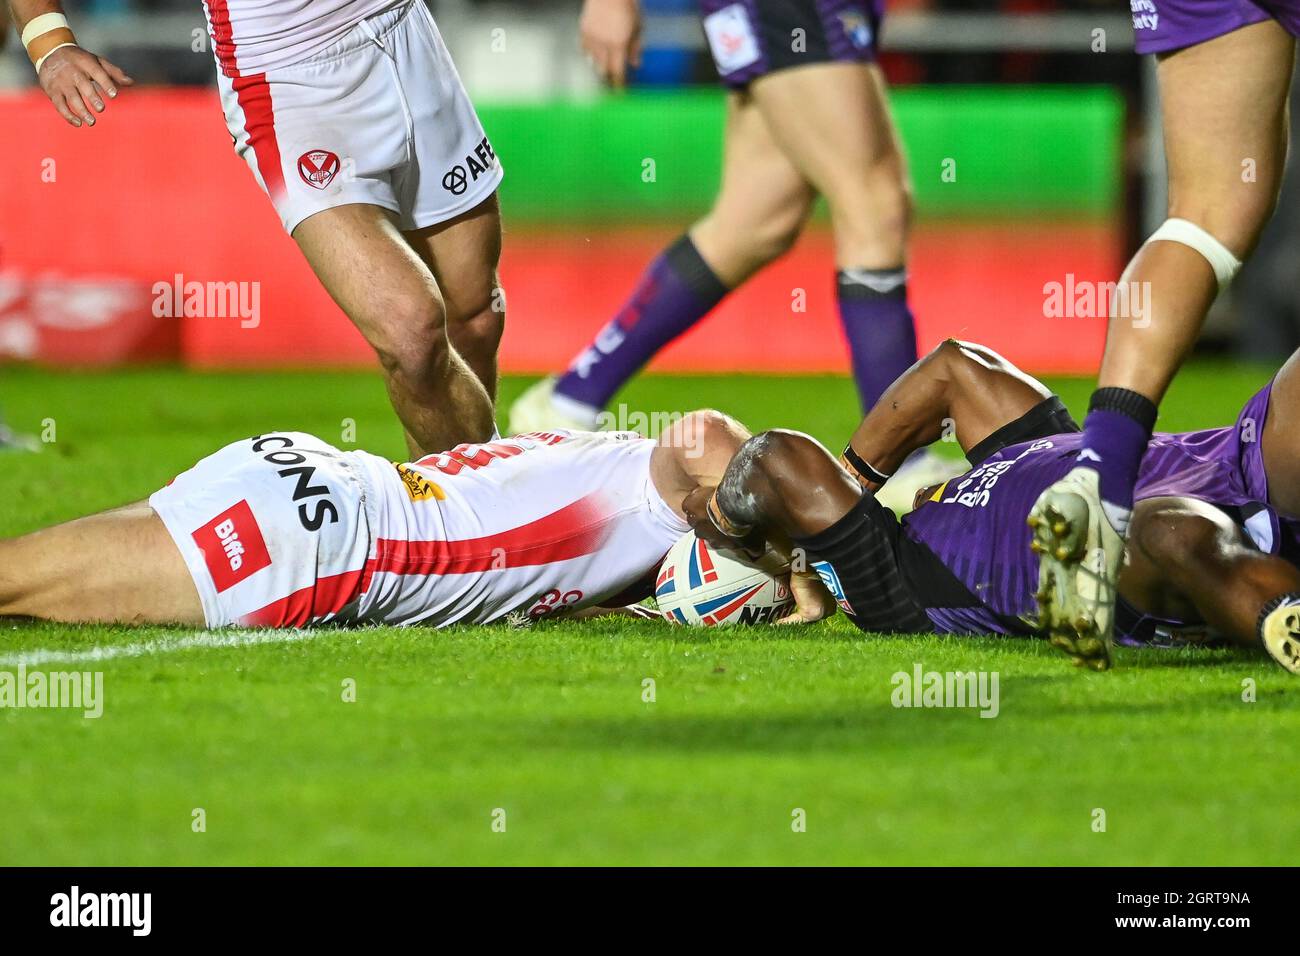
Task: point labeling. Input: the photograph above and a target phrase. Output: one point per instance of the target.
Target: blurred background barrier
(155, 192)
(1040, 111)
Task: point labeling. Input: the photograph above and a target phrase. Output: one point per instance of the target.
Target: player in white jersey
(282, 530)
(352, 118)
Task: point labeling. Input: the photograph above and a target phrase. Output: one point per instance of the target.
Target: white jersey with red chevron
(538, 524)
(284, 530)
(253, 36)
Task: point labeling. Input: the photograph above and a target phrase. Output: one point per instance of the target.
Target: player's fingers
(61, 105)
(116, 73)
(597, 54)
(77, 103)
(617, 66)
(91, 93)
(90, 96)
(634, 55)
(101, 78)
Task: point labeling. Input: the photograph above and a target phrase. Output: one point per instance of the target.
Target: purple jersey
(1163, 25)
(975, 523)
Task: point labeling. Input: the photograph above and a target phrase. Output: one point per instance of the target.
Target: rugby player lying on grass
(1211, 550)
(282, 530)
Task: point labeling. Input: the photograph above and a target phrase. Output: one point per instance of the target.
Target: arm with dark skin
(779, 485)
(785, 481)
(960, 390)
(1189, 561)
(782, 484)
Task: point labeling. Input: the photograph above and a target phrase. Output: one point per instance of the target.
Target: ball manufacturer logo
(318, 167)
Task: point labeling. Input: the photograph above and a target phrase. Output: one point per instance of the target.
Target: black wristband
(860, 465)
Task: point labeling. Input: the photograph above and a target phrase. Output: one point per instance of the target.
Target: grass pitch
(548, 731)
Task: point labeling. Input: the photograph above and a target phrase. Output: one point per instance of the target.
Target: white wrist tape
(42, 25)
(1221, 260)
(46, 56)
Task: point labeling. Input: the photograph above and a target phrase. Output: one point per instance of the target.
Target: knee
(876, 201)
(775, 236)
(481, 321)
(412, 344)
(757, 240)
(1237, 223)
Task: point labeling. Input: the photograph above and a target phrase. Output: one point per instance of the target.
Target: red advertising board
(152, 204)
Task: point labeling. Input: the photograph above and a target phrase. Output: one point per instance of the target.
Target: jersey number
(480, 456)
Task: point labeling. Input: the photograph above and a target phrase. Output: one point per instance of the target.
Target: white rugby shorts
(275, 531)
(379, 117)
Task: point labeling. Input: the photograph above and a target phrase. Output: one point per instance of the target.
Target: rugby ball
(701, 586)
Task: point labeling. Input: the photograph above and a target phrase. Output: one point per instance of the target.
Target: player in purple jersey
(1213, 551)
(1224, 69)
(807, 114)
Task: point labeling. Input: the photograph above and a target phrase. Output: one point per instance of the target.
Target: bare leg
(392, 297)
(463, 254)
(833, 121)
(759, 211)
(119, 566)
(762, 204)
(1225, 113)
(1226, 131)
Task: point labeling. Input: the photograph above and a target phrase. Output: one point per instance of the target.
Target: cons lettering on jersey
(232, 546)
(317, 507)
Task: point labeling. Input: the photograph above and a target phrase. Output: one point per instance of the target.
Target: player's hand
(78, 83)
(812, 601)
(611, 36)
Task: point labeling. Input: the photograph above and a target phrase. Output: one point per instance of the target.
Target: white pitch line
(161, 646)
